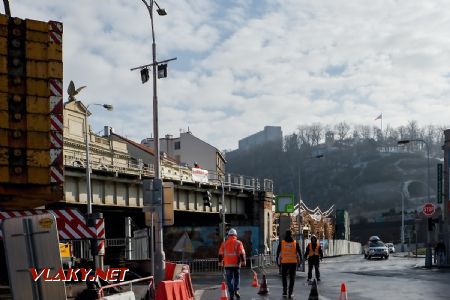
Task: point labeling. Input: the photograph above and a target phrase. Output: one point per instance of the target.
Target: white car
(391, 247)
(376, 248)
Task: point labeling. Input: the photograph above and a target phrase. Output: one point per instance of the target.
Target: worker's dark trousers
(313, 262)
(285, 269)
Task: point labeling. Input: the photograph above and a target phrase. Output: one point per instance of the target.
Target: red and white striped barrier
(100, 228)
(56, 131)
(70, 222)
(55, 30)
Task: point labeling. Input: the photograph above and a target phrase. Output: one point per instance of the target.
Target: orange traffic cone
(263, 290)
(255, 280)
(343, 295)
(224, 292)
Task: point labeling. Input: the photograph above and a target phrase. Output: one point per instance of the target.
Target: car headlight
(371, 251)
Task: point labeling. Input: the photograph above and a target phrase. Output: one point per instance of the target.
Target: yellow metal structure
(30, 59)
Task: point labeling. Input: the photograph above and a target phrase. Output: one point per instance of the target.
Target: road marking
(198, 294)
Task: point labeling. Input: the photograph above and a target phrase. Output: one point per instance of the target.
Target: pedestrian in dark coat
(314, 254)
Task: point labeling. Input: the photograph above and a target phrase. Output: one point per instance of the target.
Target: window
(177, 145)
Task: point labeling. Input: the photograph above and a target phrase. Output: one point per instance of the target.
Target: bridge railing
(77, 158)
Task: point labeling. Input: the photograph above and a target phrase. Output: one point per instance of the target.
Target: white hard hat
(232, 231)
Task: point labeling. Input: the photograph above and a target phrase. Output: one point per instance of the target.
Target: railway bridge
(118, 166)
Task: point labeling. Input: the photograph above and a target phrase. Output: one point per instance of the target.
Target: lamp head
(161, 11)
(108, 107)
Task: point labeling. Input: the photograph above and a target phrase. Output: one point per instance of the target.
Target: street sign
(428, 209)
(284, 203)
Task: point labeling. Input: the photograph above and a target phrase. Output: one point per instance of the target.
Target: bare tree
(304, 134)
(316, 130)
(364, 131)
(342, 130)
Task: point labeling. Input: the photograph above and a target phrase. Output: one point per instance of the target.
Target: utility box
(31, 113)
(32, 242)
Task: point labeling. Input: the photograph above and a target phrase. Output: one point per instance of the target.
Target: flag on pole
(380, 117)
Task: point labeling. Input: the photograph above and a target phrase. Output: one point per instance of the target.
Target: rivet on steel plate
(17, 21)
(17, 134)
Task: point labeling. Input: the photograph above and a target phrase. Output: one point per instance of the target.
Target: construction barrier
(128, 295)
(172, 290)
(177, 284)
(331, 247)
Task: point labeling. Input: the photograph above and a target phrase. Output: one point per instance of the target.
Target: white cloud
(246, 64)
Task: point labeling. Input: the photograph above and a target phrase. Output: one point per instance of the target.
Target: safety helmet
(313, 236)
(232, 231)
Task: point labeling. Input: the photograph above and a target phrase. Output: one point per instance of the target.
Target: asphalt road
(395, 278)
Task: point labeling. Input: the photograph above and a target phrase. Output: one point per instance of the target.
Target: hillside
(360, 178)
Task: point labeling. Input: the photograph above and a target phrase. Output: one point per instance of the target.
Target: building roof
(143, 147)
(217, 150)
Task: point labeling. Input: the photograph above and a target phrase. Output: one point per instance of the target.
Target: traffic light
(207, 199)
(144, 75)
(162, 71)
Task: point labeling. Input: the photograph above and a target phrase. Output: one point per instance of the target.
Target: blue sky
(245, 64)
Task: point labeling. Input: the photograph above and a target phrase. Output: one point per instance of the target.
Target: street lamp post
(299, 218)
(428, 256)
(88, 172)
(159, 256)
(402, 234)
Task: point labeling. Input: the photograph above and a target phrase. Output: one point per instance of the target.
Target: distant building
(189, 149)
(269, 134)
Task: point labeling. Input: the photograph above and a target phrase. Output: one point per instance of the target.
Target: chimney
(107, 130)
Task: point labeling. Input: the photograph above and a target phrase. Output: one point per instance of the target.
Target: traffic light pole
(222, 212)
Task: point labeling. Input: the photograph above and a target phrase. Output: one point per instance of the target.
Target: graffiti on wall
(206, 242)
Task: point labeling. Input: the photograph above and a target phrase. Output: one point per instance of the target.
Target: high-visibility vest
(232, 248)
(288, 252)
(312, 251)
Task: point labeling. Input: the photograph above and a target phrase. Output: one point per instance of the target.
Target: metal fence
(206, 265)
(261, 261)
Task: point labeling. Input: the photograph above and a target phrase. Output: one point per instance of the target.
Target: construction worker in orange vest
(314, 253)
(289, 256)
(232, 257)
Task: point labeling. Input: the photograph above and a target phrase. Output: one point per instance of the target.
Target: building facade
(190, 150)
(269, 134)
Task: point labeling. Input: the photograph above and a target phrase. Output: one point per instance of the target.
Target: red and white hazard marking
(101, 247)
(56, 139)
(56, 105)
(71, 224)
(56, 157)
(56, 174)
(55, 30)
(100, 227)
(56, 123)
(56, 87)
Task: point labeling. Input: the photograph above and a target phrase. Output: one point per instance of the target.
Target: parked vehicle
(391, 247)
(376, 248)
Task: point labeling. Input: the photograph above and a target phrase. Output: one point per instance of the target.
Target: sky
(245, 64)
